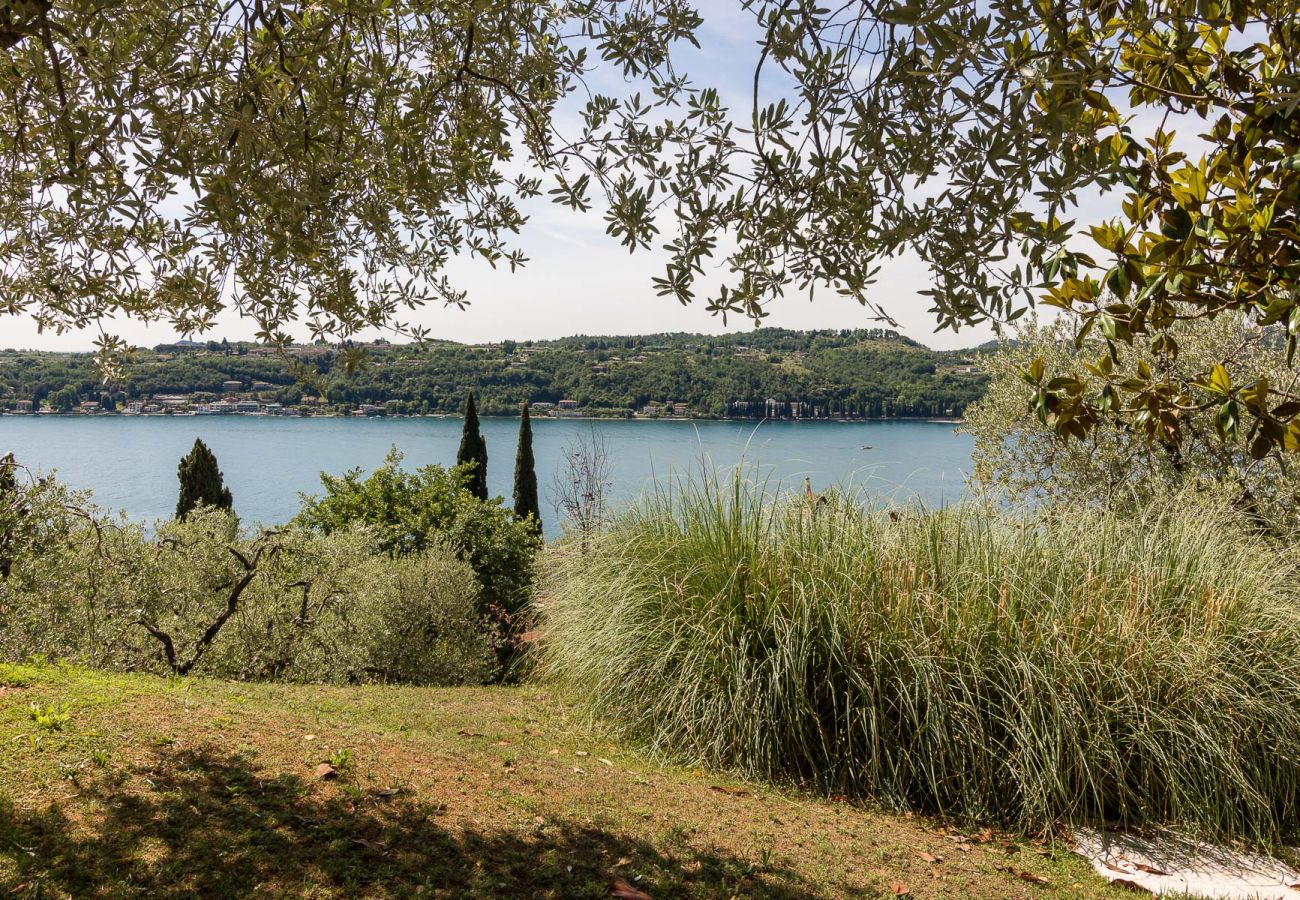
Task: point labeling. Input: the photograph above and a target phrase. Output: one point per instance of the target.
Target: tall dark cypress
(8, 492)
(473, 449)
(526, 474)
(201, 481)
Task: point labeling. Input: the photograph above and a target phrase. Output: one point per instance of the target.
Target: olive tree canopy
(320, 163)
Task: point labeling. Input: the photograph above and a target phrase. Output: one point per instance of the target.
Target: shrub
(326, 608)
(1119, 466)
(65, 594)
(418, 621)
(332, 610)
(200, 597)
(1080, 668)
(408, 511)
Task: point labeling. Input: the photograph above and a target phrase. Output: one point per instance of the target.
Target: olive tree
(321, 163)
(1116, 464)
(315, 162)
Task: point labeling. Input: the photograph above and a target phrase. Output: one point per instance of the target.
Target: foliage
(279, 605)
(966, 134)
(10, 509)
(200, 597)
(472, 456)
(525, 493)
(218, 572)
(35, 515)
(973, 135)
(832, 373)
(201, 482)
(1082, 668)
(330, 609)
(16, 676)
(316, 164)
(422, 621)
(65, 399)
(1116, 464)
(409, 511)
(51, 716)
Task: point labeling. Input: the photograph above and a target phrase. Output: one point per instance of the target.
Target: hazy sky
(580, 281)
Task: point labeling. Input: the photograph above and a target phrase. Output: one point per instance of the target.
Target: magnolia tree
(321, 163)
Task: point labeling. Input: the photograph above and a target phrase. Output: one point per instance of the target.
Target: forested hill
(771, 371)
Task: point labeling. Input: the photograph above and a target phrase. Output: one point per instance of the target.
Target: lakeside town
(774, 374)
(246, 402)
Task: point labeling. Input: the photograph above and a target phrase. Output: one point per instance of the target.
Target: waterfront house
(172, 400)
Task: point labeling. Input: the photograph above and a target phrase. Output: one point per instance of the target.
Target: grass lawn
(165, 788)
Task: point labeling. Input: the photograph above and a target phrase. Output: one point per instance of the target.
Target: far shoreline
(924, 420)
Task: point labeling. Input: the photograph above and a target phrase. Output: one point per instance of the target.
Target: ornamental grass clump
(1079, 668)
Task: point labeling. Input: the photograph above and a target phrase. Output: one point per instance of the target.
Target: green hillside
(768, 372)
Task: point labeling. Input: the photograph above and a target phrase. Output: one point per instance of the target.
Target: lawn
(119, 785)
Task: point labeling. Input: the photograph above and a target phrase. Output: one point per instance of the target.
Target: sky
(581, 281)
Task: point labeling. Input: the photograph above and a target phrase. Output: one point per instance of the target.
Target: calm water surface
(130, 463)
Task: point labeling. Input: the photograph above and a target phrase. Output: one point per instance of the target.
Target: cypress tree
(201, 481)
(473, 449)
(526, 474)
(8, 487)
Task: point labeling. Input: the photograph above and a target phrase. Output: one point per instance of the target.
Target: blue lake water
(130, 463)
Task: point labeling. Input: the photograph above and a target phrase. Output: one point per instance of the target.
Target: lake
(130, 462)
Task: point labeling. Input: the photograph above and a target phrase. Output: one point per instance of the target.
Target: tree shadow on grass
(209, 825)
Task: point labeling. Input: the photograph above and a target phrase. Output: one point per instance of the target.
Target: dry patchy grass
(164, 788)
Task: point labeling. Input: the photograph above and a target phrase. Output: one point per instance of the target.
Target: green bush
(200, 597)
(408, 511)
(328, 608)
(1079, 668)
(67, 595)
(1021, 459)
(418, 621)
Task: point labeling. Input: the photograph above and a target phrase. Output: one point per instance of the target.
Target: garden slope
(167, 788)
